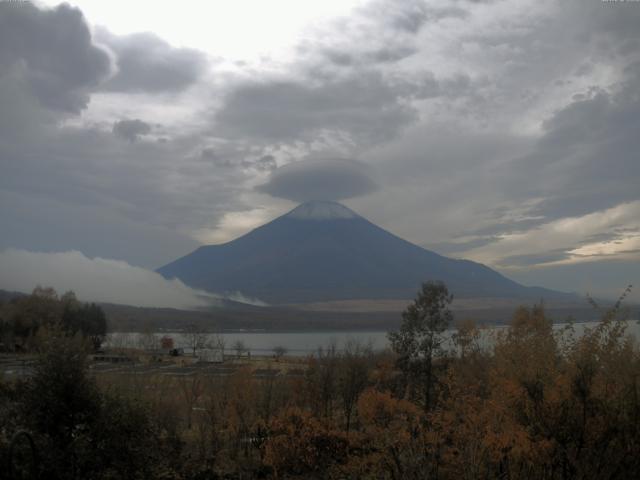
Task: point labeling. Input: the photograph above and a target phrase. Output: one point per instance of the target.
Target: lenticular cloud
(325, 179)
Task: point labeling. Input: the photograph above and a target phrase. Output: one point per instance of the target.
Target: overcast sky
(500, 131)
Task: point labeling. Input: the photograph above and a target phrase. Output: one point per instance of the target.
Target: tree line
(22, 317)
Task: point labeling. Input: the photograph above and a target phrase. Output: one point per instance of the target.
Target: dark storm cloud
(131, 130)
(362, 105)
(51, 52)
(332, 179)
(147, 63)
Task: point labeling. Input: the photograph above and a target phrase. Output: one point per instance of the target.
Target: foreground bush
(80, 432)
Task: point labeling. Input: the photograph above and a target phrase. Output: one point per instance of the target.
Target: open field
(326, 316)
(258, 366)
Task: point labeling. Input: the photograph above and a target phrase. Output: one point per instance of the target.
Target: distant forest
(541, 403)
(22, 316)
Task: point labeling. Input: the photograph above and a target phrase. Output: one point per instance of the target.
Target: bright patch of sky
(238, 30)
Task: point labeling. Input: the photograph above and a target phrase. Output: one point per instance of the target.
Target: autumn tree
(59, 401)
(30, 313)
(80, 431)
(301, 445)
(43, 308)
(353, 376)
(466, 338)
(240, 347)
(420, 339)
(279, 352)
(321, 380)
(196, 337)
(392, 442)
(88, 319)
(191, 387)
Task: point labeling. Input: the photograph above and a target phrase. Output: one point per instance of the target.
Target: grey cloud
(588, 157)
(606, 236)
(147, 63)
(363, 105)
(381, 54)
(211, 155)
(448, 12)
(32, 220)
(330, 179)
(604, 278)
(131, 130)
(407, 16)
(343, 85)
(266, 162)
(448, 248)
(629, 47)
(585, 161)
(51, 52)
(238, 160)
(506, 228)
(618, 22)
(377, 33)
(533, 259)
(143, 202)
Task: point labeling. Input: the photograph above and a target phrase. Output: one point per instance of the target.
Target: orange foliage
(300, 444)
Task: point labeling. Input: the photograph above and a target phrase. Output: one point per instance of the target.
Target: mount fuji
(323, 251)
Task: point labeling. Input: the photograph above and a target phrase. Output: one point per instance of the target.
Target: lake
(305, 343)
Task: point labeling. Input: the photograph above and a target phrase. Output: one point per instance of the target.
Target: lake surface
(305, 343)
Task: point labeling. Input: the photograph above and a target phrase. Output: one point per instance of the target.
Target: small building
(166, 343)
(210, 355)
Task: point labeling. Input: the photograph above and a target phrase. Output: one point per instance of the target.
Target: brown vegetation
(540, 404)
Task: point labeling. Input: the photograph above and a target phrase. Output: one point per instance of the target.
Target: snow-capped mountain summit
(321, 210)
(324, 251)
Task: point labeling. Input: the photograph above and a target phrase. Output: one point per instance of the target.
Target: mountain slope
(324, 251)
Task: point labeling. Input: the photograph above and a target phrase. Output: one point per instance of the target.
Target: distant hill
(6, 296)
(322, 316)
(323, 251)
(125, 318)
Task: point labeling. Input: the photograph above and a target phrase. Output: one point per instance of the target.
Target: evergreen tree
(420, 339)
